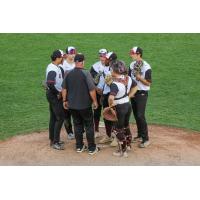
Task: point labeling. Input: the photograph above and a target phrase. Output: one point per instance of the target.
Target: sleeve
(62, 71)
(90, 82)
(148, 75)
(93, 72)
(51, 80)
(129, 71)
(113, 89)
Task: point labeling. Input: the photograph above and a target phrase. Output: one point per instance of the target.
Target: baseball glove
(97, 78)
(137, 67)
(108, 79)
(110, 114)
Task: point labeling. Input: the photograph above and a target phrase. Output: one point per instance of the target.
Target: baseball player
(68, 63)
(67, 66)
(54, 81)
(104, 86)
(119, 97)
(96, 72)
(140, 71)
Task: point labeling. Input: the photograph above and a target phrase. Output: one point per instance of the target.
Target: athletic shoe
(144, 144)
(101, 125)
(105, 139)
(114, 143)
(80, 150)
(96, 150)
(120, 154)
(97, 134)
(128, 148)
(57, 146)
(70, 136)
(61, 142)
(137, 139)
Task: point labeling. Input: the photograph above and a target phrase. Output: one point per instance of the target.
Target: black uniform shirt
(78, 83)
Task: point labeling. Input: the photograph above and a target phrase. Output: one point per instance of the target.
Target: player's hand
(112, 105)
(138, 77)
(59, 95)
(95, 105)
(65, 105)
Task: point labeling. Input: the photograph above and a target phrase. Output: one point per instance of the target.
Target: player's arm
(51, 81)
(133, 89)
(64, 97)
(113, 92)
(64, 94)
(147, 80)
(92, 89)
(132, 92)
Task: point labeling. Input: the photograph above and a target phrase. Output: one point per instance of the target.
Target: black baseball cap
(57, 54)
(79, 57)
(111, 56)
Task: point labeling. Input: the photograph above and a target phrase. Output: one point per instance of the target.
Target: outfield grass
(173, 100)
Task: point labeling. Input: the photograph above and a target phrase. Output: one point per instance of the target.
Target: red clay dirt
(169, 146)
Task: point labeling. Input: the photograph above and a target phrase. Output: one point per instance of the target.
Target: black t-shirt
(79, 83)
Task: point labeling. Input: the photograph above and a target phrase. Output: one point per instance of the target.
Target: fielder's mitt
(137, 67)
(110, 114)
(97, 78)
(108, 79)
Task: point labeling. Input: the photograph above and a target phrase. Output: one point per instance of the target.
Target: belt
(142, 91)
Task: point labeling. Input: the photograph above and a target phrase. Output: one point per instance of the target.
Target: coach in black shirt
(78, 95)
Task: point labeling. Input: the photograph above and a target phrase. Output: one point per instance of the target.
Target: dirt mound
(169, 146)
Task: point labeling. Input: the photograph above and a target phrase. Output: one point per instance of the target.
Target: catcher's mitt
(110, 114)
(137, 68)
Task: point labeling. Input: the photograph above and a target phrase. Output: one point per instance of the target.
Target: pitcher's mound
(169, 146)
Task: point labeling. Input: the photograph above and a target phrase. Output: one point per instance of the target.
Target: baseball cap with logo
(79, 57)
(70, 50)
(136, 50)
(103, 52)
(111, 56)
(57, 54)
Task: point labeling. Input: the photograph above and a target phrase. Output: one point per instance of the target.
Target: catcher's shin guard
(128, 136)
(121, 139)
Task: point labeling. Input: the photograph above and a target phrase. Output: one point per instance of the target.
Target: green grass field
(175, 59)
